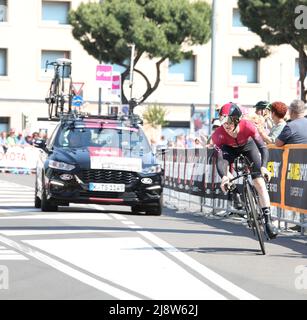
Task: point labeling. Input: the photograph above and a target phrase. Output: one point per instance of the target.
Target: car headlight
(61, 165)
(152, 169)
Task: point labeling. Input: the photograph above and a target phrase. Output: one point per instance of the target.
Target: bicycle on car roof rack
(58, 95)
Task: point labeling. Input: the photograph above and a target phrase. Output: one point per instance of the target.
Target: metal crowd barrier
(192, 184)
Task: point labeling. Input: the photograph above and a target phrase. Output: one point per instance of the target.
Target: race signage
(295, 180)
(116, 85)
(104, 76)
(112, 159)
(275, 167)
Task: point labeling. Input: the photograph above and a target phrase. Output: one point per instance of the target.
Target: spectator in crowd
(3, 141)
(180, 141)
(29, 139)
(262, 118)
(20, 140)
(216, 123)
(153, 145)
(197, 144)
(278, 112)
(170, 144)
(11, 139)
(35, 135)
(190, 141)
(294, 132)
(162, 143)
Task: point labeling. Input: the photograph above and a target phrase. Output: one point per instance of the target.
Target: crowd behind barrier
(192, 183)
(17, 154)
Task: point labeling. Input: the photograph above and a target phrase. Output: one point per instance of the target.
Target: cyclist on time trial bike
(240, 136)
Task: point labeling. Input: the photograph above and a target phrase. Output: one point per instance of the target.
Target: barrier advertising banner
(19, 157)
(209, 171)
(295, 179)
(275, 167)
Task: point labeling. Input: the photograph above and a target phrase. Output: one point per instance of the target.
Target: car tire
(46, 205)
(137, 210)
(37, 200)
(155, 209)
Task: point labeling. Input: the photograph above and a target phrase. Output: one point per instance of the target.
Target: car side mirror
(40, 144)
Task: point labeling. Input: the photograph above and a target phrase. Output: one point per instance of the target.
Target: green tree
(279, 22)
(160, 30)
(155, 116)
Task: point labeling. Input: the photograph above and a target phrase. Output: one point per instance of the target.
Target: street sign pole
(131, 68)
(104, 80)
(99, 94)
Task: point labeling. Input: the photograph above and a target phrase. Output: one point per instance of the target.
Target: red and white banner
(104, 76)
(116, 85)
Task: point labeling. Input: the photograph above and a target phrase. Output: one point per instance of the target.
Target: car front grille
(108, 176)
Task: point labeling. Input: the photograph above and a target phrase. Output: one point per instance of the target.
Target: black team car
(98, 160)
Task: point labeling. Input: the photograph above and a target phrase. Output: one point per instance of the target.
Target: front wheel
(254, 216)
(46, 204)
(156, 208)
(37, 200)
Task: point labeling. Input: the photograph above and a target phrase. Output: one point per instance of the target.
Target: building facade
(34, 31)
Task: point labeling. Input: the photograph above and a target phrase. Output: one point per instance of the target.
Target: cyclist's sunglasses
(229, 120)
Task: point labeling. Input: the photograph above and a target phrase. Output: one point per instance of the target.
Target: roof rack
(132, 118)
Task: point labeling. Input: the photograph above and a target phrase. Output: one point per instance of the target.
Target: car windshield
(131, 141)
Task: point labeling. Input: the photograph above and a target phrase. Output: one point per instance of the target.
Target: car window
(131, 141)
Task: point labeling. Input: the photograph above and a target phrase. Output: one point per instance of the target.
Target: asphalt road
(101, 252)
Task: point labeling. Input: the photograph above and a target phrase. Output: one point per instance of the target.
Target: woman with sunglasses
(240, 136)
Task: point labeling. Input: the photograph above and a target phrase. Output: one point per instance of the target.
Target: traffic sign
(77, 101)
(77, 87)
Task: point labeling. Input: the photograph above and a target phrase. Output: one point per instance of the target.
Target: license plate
(107, 187)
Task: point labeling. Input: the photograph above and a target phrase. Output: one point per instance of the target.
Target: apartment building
(34, 31)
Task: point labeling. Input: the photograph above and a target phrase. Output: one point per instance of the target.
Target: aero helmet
(230, 113)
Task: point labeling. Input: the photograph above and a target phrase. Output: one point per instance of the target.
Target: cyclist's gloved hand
(266, 174)
(224, 183)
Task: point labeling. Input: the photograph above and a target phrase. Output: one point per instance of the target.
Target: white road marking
(207, 273)
(118, 216)
(16, 197)
(100, 285)
(17, 188)
(19, 210)
(7, 254)
(17, 204)
(52, 232)
(61, 216)
(128, 223)
(10, 192)
(132, 263)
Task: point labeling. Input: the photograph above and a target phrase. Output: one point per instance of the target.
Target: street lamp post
(131, 68)
(213, 62)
